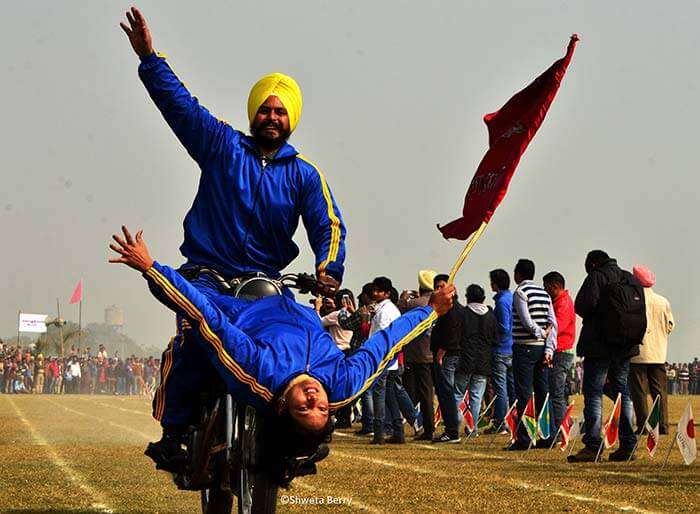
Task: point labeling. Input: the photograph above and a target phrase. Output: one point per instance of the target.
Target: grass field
(84, 454)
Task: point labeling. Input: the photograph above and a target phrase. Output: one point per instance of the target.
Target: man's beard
(266, 141)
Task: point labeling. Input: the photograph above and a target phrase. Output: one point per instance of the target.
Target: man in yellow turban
(253, 192)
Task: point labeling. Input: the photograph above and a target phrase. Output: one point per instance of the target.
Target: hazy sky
(394, 93)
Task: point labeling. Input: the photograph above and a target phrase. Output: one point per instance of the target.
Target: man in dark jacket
(604, 356)
(446, 345)
(474, 367)
(418, 376)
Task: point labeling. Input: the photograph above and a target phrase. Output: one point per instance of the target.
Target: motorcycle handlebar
(307, 283)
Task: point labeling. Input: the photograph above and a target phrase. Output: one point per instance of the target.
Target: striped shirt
(532, 314)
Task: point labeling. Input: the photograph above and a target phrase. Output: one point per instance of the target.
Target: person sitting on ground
(273, 353)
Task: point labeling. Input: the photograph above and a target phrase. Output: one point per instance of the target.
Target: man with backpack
(611, 304)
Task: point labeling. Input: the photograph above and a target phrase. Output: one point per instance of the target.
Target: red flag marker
(511, 129)
(77, 295)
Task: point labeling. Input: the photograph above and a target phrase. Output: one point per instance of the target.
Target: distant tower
(114, 317)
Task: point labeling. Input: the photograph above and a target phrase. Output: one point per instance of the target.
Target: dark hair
(554, 277)
(594, 259)
(442, 277)
(382, 284)
(339, 297)
(475, 293)
(284, 441)
(394, 295)
(525, 268)
(500, 278)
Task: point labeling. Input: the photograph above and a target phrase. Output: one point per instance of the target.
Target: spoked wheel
(257, 494)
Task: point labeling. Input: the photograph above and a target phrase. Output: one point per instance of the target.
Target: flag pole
(493, 439)
(636, 443)
(80, 323)
(573, 442)
(483, 412)
(602, 440)
(60, 325)
(554, 441)
(467, 250)
(668, 453)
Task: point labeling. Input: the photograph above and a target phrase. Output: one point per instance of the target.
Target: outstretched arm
(236, 355)
(201, 133)
(361, 369)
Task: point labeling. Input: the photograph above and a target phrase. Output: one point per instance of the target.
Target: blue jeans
(384, 400)
(503, 387)
(595, 372)
(557, 386)
(367, 406)
(446, 393)
(476, 386)
(530, 374)
(403, 401)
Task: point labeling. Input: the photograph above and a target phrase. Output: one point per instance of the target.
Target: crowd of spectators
(24, 370)
(521, 342)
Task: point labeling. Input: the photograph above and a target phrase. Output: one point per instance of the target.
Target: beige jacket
(659, 325)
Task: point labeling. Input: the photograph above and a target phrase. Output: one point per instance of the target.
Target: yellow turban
(283, 87)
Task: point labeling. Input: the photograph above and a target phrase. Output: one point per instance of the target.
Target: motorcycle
(225, 450)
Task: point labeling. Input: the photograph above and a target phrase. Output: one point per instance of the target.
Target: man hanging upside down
(273, 353)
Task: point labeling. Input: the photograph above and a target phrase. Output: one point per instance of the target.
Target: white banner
(32, 322)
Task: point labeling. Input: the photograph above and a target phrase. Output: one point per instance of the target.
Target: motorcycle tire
(216, 501)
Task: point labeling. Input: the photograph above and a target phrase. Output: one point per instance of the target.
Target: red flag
(511, 129)
(77, 295)
(469, 419)
(566, 424)
(438, 416)
(612, 427)
(511, 420)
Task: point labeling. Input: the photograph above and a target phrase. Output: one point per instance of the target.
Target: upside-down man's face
(307, 402)
(270, 127)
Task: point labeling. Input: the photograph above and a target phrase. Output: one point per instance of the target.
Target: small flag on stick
(612, 427)
(511, 419)
(685, 435)
(566, 426)
(77, 295)
(652, 427)
(530, 419)
(544, 421)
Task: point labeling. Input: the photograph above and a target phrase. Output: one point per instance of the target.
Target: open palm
(138, 33)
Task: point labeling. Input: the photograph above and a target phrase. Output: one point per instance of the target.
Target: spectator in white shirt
(385, 313)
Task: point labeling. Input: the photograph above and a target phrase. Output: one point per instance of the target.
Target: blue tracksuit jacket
(258, 347)
(244, 216)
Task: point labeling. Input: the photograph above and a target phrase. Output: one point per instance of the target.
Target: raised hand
(138, 33)
(133, 251)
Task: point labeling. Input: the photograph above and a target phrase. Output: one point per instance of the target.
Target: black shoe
(362, 431)
(167, 454)
(445, 438)
(394, 439)
(544, 444)
(378, 440)
(584, 455)
(492, 429)
(517, 446)
(621, 455)
(424, 437)
(343, 424)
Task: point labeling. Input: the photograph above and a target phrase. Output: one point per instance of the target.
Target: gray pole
(668, 453)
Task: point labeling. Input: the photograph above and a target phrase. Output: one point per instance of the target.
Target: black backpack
(626, 311)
